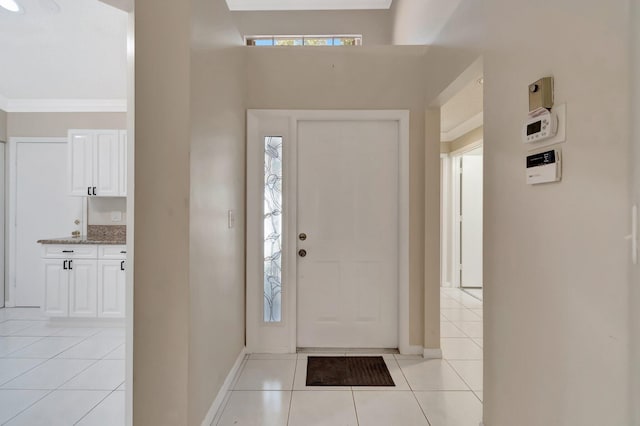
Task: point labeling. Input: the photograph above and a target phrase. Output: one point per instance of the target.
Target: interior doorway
(468, 215)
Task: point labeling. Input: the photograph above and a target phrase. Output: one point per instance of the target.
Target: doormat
(348, 371)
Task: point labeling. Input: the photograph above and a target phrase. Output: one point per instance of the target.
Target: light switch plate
(116, 216)
(232, 219)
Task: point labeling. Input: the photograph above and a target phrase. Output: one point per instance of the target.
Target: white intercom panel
(544, 167)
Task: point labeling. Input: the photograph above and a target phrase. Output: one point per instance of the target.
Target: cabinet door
(123, 163)
(83, 288)
(107, 173)
(56, 288)
(111, 288)
(81, 158)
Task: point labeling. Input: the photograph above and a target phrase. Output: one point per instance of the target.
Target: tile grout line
(31, 405)
(293, 384)
(94, 407)
(421, 409)
(355, 408)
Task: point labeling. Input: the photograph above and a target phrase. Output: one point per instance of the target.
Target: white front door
(347, 207)
(43, 210)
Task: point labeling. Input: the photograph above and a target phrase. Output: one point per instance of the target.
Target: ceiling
(463, 112)
(247, 5)
(74, 51)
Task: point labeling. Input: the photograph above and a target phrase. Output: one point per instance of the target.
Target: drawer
(71, 251)
(112, 252)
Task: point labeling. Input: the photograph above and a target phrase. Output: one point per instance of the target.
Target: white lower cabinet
(77, 287)
(111, 288)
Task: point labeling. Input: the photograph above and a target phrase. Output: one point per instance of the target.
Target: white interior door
(348, 196)
(43, 209)
(471, 219)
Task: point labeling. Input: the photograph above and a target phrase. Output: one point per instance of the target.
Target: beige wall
(3, 125)
(559, 302)
(56, 124)
(189, 150)
(556, 266)
(216, 259)
(432, 211)
(634, 287)
(555, 294)
(162, 172)
(374, 25)
(337, 78)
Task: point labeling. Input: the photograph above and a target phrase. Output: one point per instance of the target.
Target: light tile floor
(59, 374)
(270, 389)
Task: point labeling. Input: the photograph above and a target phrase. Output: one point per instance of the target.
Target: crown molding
(463, 128)
(263, 5)
(63, 105)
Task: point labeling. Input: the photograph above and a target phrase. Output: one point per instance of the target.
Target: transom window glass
(343, 40)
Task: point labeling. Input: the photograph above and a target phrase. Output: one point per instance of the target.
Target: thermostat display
(540, 125)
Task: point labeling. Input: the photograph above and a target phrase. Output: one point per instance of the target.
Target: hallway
(270, 389)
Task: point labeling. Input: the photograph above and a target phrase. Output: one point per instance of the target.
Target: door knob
(302, 252)
(302, 236)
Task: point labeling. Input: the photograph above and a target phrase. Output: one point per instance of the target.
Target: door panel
(80, 159)
(348, 207)
(107, 164)
(44, 209)
(471, 226)
(83, 288)
(56, 287)
(111, 288)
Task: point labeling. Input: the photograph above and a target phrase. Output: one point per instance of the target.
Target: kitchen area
(62, 340)
(63, 213)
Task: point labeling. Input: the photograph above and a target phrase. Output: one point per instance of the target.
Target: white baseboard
(432, 353)
(215, 406)
(411, 350)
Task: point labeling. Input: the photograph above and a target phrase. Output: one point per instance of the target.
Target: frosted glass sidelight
(272, 229)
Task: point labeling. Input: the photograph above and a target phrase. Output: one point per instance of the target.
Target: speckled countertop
(96, 234)
(82, 239)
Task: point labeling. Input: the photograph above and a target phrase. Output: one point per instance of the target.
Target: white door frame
(281, 337)
(12, 185)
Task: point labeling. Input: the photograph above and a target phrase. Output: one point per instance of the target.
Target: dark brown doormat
(348, 371)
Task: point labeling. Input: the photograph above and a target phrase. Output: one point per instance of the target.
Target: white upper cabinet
(97, 165)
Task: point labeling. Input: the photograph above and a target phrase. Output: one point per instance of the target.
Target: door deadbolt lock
(302, 253)
(302, 236)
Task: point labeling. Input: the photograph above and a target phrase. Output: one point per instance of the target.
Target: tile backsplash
(107, 233)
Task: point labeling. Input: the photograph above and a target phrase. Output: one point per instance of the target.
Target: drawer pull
(123, 252)
(67, 251)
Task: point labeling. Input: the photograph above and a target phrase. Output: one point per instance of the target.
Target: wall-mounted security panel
(544, 167)
(541, 94)
(540, 125)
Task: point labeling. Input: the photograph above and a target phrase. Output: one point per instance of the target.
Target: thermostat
(544, 167)
(541, 124)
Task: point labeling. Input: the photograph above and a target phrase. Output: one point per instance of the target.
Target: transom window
(335, 40)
